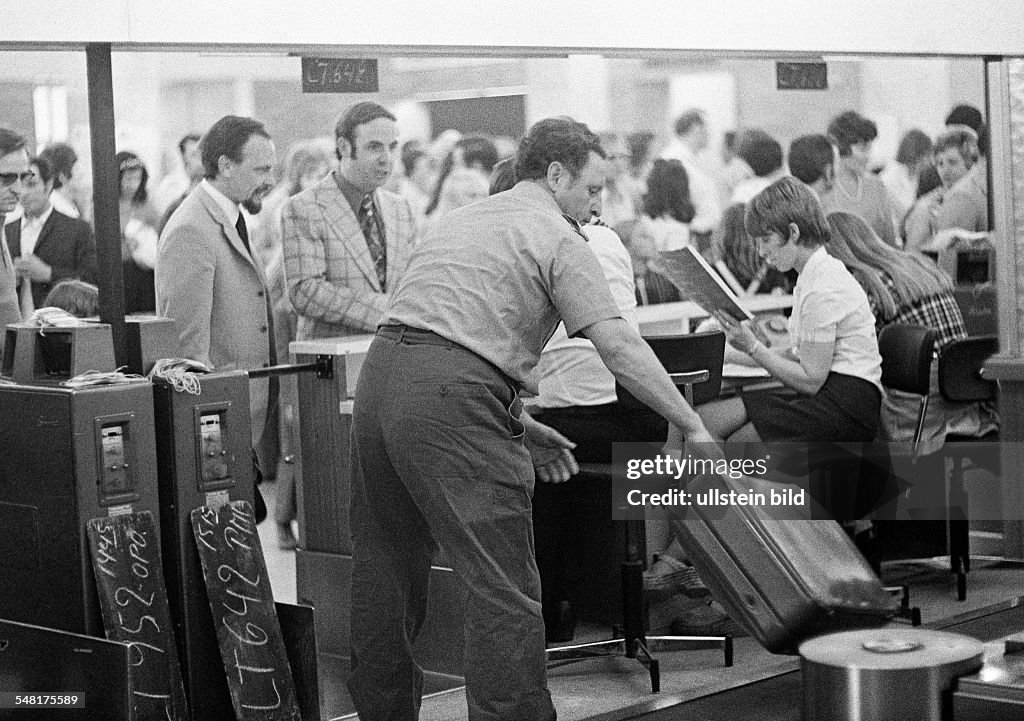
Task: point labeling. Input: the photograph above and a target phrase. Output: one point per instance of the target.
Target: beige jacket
(217, 294)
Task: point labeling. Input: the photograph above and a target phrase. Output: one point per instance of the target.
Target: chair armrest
(689, 378)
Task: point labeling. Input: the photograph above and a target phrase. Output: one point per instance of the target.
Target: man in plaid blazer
(346, 239)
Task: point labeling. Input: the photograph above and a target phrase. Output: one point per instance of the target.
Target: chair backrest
(907, 352)
(960, 365)
(686, 353)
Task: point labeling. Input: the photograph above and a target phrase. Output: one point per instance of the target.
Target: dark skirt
(826, 442)
(139, 288)
(846, 408)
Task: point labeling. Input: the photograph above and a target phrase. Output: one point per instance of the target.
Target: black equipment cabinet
(204, 458)
(67, 456)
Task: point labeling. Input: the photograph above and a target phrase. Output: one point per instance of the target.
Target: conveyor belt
(778, 698)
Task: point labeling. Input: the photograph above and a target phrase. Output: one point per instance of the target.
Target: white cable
(181, 373)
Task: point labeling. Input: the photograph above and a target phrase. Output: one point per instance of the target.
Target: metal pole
(106, 188)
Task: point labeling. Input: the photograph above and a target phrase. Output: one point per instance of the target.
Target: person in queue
(347, 239)
(14, 172)
(47, 245)
(207, 278)
(955, 152)
(834, 364)
(441, 448)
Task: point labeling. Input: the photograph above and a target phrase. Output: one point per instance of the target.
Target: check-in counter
(324, 558)
(681, 316)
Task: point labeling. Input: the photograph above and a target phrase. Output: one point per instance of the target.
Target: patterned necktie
(374, 238)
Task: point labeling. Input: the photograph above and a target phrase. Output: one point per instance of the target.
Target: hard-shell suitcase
(784, 581)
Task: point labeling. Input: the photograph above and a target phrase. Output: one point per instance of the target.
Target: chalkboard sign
(339, 75)
(801, 76)
(133, 600)
(248, 633)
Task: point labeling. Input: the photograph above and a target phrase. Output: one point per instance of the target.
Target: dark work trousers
(572, 521)
(439, 460)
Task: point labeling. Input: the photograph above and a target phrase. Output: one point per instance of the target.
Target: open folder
(699, 282)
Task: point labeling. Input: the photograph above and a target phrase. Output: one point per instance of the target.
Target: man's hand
(702, 444)
(550, 450)
(31, 267)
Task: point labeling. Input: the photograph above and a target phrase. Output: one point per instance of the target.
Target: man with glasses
(14, 171)
(47, 245)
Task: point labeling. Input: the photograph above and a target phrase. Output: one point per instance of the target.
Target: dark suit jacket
(65, 244)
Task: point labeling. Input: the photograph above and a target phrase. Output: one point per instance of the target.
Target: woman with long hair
(906, 287)
(664, 225)
(307, 163)
(461, 187)
(139, 222)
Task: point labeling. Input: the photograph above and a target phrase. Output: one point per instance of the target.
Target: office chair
(961, 381)
(907, 352)
(694, 362)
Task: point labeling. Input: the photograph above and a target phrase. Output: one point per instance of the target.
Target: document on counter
(698, 281)
(738, 370)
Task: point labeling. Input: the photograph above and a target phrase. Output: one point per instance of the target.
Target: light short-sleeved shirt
(497, 275)
(830, 306)
(872, 202)
(571, 371)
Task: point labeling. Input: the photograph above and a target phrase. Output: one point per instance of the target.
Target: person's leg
(391, 556)
(464, 462)
(284, 495)
(551, 510)
(723, 417)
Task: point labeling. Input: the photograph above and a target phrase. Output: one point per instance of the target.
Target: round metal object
(884, 674)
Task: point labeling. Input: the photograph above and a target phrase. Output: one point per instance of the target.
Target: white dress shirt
(571, 371)
(30, 230)
(230, 207)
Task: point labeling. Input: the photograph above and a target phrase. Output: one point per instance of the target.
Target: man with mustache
(346, 239)
(14, 171)
(206, 276)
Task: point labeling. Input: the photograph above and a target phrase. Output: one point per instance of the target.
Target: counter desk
(681, 316)
(323, 560)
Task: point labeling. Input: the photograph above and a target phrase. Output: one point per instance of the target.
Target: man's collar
(352, 193)
(230, 207)
(533, 193)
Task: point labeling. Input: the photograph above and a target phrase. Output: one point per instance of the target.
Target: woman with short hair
(856, 189)
(954, 153)
(833, 364)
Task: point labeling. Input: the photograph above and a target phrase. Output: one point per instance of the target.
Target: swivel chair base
(633, 643)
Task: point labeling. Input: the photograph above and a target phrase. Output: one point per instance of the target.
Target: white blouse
(830, 307)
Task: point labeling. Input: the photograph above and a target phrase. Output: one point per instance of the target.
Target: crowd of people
(492, 280)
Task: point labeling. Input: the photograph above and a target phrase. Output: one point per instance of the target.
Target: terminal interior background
(159, 96)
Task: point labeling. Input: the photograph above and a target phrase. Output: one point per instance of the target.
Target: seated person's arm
(804, 372)
(635, 366)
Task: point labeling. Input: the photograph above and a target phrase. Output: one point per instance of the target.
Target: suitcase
(784, 581)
